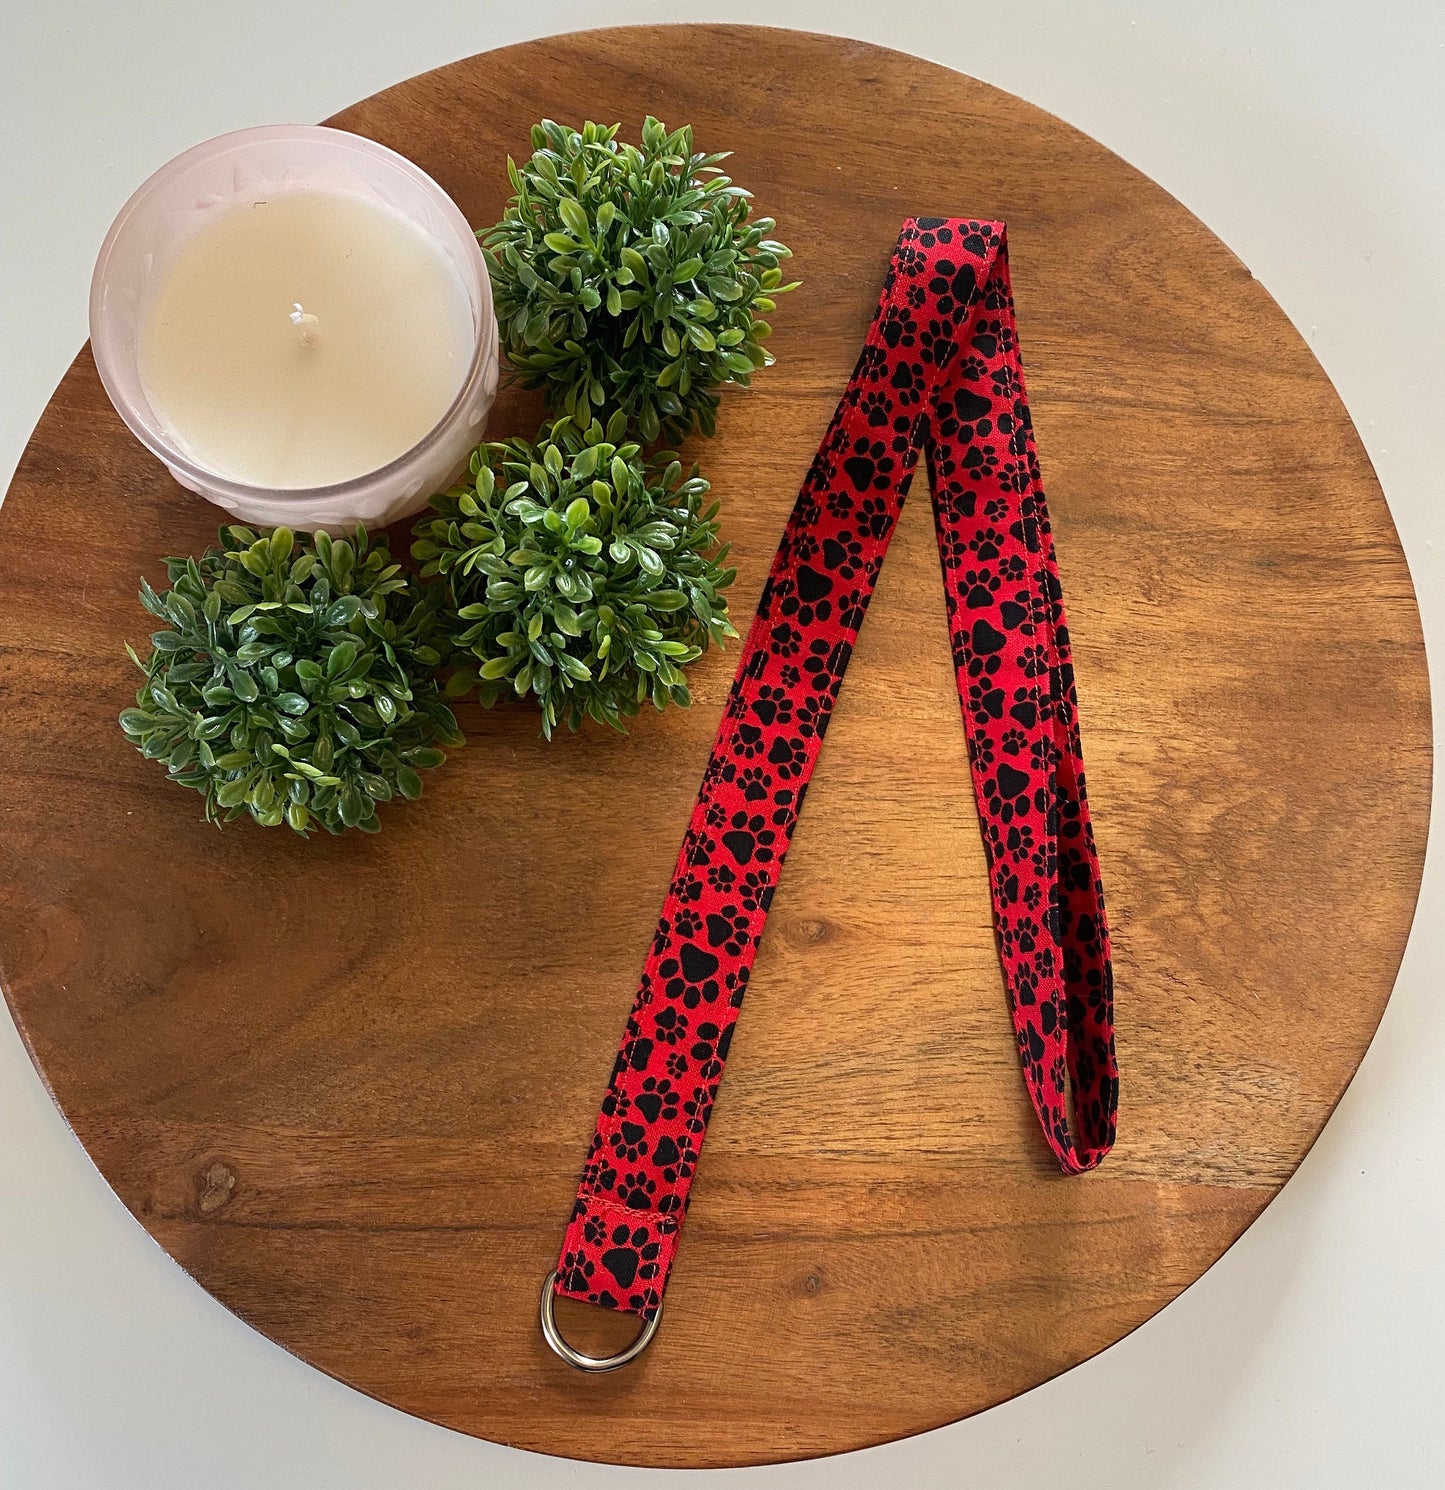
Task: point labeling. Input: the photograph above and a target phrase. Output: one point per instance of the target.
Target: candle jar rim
(105, 337)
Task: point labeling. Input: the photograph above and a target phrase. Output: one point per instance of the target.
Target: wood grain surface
(347, 1083)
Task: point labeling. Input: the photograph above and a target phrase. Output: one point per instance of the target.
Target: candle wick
(308, 327)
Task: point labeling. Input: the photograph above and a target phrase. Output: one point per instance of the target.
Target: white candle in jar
(304, 339)
(298, 322)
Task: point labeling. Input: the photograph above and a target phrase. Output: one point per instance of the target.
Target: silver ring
(553, 1336)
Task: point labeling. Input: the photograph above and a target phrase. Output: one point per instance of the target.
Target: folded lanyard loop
(939, 371)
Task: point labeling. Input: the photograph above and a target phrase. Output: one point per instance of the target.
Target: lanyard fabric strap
(940, 371)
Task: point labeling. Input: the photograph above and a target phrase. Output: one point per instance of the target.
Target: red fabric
(940, 371)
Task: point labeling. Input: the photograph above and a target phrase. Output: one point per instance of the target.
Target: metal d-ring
(553, 1336)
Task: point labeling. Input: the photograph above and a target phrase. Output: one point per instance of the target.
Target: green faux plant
(578, 572)
(292, 679)
(632, 278)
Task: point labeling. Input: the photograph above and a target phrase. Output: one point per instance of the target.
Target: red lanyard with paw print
(939, 372)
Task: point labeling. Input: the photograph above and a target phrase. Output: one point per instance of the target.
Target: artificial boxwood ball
(578, 573)
(632, 279)
(292, 680)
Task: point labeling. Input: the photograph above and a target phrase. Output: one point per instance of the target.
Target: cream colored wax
(304, 340)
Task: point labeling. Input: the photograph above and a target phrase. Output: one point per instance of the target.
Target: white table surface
(1311, 138)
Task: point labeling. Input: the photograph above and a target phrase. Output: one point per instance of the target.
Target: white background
(1311, 138)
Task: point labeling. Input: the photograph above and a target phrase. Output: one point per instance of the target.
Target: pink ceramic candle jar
(299, 323)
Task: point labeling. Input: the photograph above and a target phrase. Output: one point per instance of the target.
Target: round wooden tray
(347, 1084)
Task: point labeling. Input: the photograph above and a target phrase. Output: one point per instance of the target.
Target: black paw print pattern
(940, 372)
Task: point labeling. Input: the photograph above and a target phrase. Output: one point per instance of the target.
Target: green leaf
(574, 218)
(340, 659)
(232, 793)
(352, 806)
(344, 611)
